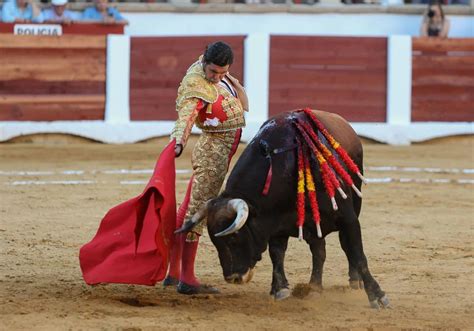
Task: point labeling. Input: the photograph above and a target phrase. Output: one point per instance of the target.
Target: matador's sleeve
(187, 113)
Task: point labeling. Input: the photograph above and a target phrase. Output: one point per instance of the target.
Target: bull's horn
(242, 209)
(195, 220)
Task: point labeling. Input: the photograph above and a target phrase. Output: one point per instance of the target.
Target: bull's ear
(195, 220)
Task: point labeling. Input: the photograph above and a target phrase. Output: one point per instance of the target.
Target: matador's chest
(226, 108)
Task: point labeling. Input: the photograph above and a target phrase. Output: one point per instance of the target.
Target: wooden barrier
(82, 28)
(443, 80)
(344, 75)
(158, 64)
(44, 78)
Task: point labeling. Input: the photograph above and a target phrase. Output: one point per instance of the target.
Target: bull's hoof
(382, 302)
(170, 281)
(187, 289)
(282, 294)
(316, 287)
(356, 284)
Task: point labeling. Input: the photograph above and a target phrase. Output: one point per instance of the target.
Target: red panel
(157, 66)
(344, 75)
(443, 45)
(51, 112)
(63, 80)
(22, 86)
(443, 80)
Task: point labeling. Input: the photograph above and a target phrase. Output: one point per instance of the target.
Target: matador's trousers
(210, 160)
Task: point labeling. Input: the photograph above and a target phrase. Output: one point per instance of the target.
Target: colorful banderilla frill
(313, 201)
(329, 166)
(337, 147)
(300, 210)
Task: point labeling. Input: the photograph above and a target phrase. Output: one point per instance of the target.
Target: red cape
(134, 238)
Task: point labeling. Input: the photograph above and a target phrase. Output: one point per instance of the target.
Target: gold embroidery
(210, 161)
(186, 117)
(195, 85)
(233, 109)
(211, 154)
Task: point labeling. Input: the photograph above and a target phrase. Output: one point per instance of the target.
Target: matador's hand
(178, 149)
(240, 91)
(234, 81)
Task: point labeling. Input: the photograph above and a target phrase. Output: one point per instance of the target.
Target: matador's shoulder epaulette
(195, 85)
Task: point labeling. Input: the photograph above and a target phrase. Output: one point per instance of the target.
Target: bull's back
(278, 127)
(343, 132)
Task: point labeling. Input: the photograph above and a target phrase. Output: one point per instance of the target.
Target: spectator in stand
(103, 13)
(59, 14)
(434, 23)
(21, 11)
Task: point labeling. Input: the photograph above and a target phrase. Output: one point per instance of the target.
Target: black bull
(242, 222)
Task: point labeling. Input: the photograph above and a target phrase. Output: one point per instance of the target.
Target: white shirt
(225, 83)
(50, 15)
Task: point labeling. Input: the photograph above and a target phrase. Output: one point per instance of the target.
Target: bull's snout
(234, 279)
(240, 279)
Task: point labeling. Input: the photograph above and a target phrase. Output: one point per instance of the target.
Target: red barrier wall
(45, 78)
(344, 75)
(157, 65)
(443, 80)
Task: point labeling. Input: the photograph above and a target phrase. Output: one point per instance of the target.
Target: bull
(242, 222)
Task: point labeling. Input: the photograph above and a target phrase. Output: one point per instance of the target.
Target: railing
(74, 3)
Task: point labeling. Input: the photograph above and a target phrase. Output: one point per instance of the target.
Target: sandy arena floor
(417, 230)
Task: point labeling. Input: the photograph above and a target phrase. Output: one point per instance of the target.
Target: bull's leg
(318, 250)
(356, 256)
(355, 281)
(277, 248)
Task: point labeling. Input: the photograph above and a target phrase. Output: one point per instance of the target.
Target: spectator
(59, 14)
(102, 12)
(21, 11)
(434, 23)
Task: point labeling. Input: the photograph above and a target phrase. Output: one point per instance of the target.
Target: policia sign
(38, 29)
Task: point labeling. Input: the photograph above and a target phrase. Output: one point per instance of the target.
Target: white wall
(187, 24)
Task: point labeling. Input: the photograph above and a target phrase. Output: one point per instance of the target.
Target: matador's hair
(218, 53)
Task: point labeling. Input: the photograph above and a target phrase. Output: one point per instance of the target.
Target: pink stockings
(182, 260)
(183, 253)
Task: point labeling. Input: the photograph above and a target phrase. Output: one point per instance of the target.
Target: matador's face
(215, 73)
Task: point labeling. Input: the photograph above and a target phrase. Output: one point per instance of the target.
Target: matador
(215, 101)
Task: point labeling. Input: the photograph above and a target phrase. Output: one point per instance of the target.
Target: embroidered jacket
(211, 106)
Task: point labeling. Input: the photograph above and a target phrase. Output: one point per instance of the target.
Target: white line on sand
(416, 169)
(53, 182)
(83, 172)
(384, 180)
(381, 180)
(144, 182)
(188, 171)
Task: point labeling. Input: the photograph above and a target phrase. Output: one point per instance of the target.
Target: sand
(417, 238)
